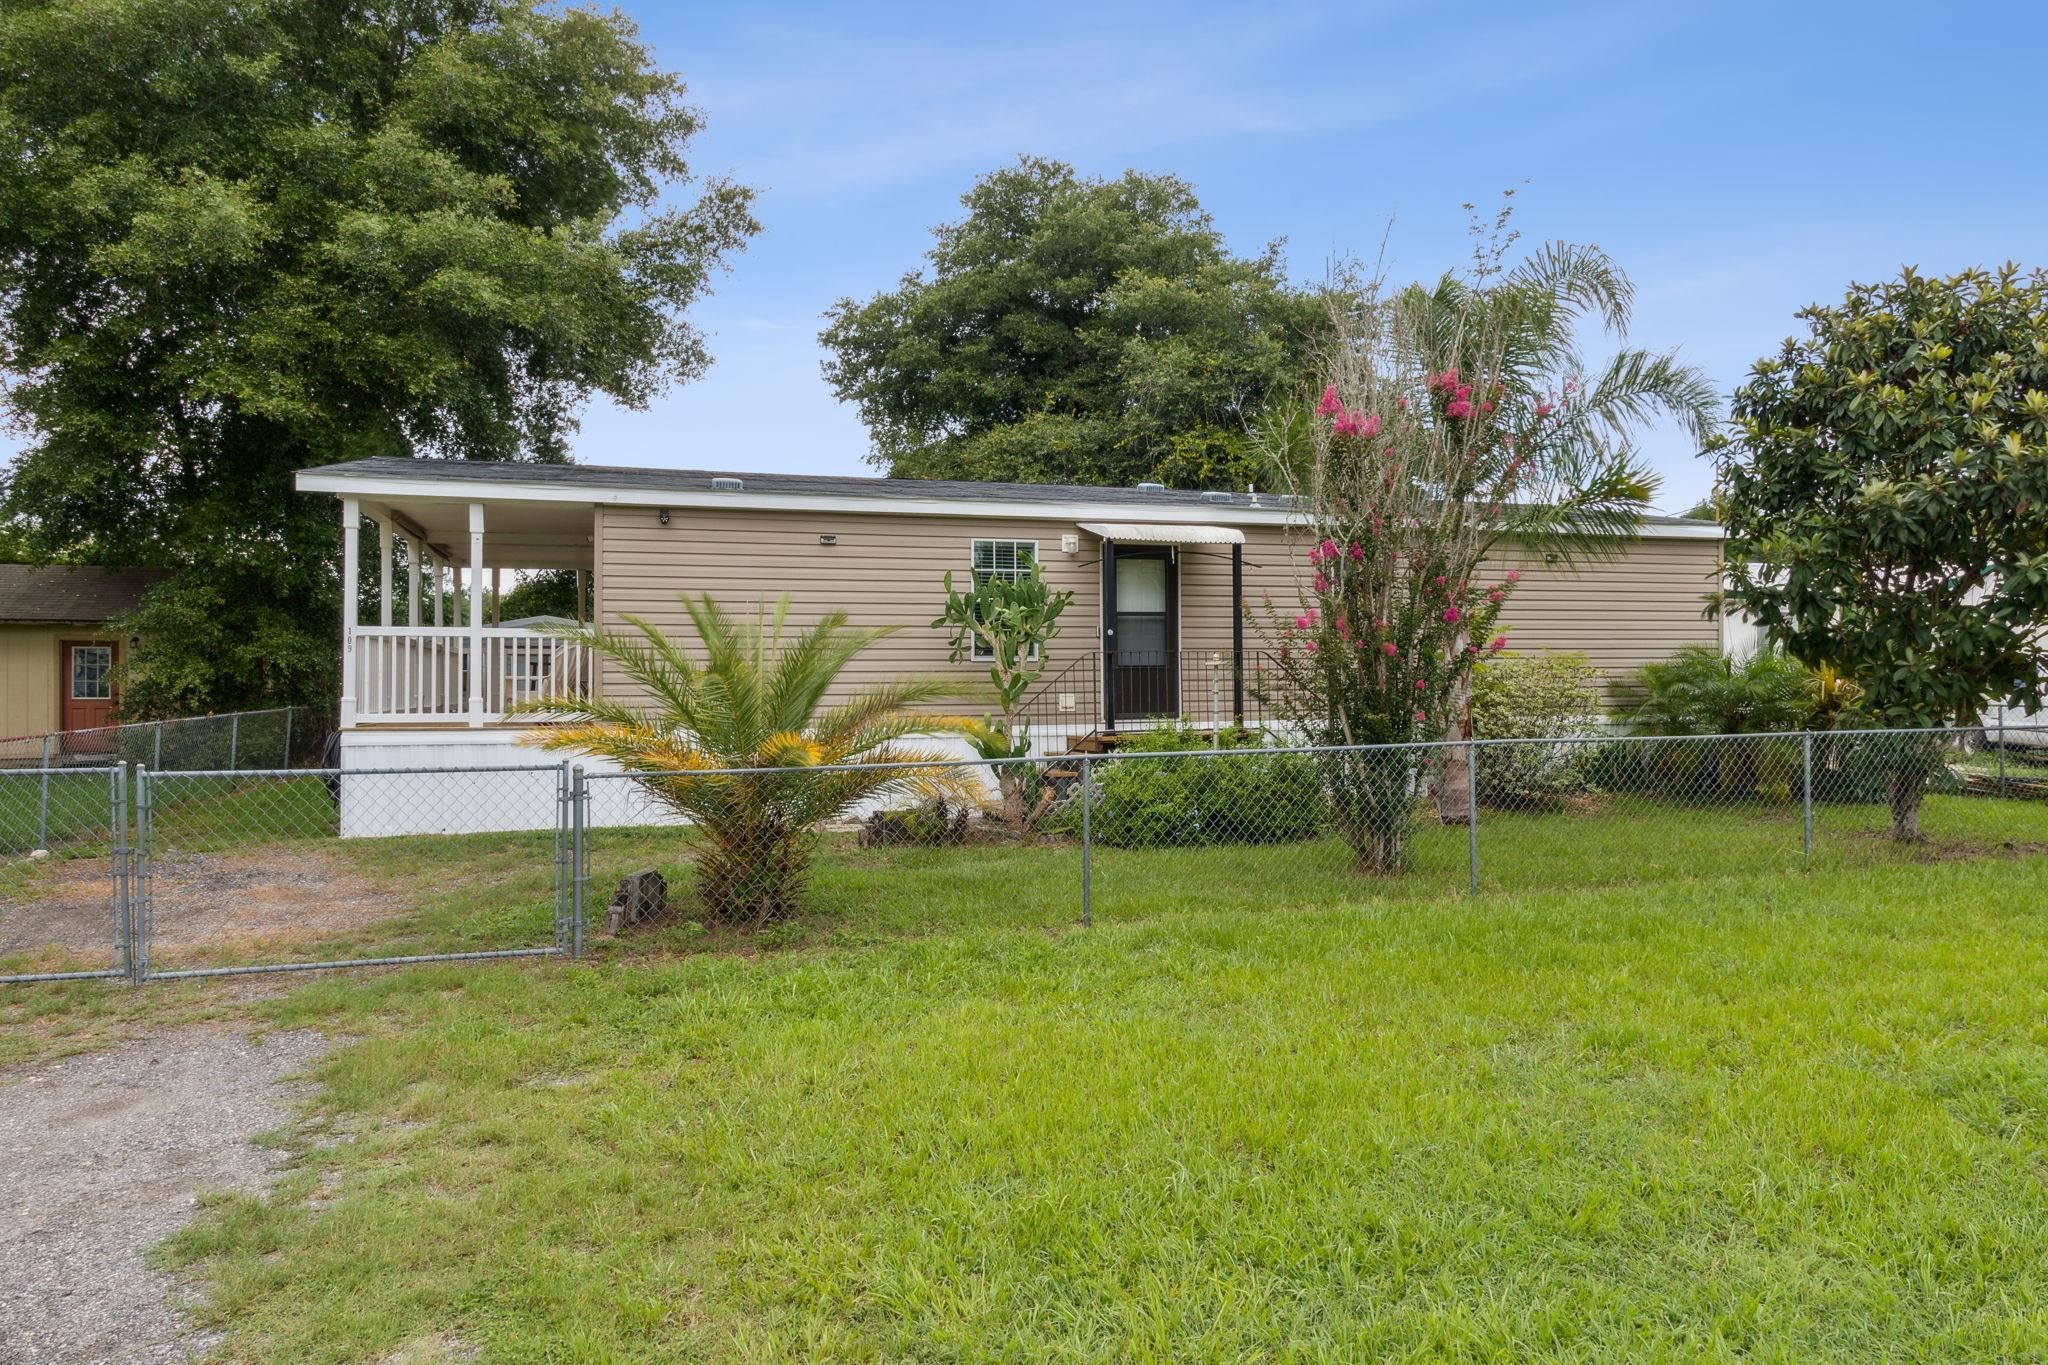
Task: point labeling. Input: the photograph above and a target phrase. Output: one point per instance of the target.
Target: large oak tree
(1074, 330)
(238, 237)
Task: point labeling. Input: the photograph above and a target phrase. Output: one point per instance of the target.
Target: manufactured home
(1155, 631)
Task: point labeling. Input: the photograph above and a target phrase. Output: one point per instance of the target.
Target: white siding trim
(466, 491)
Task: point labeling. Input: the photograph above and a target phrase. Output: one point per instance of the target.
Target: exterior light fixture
(662, 516)
(828, 539)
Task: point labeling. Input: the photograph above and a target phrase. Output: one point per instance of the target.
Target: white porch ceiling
(516, 535)
(1158, 533)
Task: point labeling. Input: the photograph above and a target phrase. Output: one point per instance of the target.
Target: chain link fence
(63, 874)
(230, 741)
(219, 873)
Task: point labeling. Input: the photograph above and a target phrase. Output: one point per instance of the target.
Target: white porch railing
(422, 673)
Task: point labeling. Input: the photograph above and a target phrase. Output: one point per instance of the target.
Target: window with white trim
(92, 672)
(1010, 559)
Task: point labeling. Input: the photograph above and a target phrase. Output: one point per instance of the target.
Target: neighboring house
(1152, 631)
(57, 655)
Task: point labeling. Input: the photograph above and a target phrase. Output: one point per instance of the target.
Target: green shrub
(1535, 696)
(1226, 798)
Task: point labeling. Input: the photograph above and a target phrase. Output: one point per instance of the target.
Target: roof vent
(1217, 495)
(1151, 488)
(728, 484)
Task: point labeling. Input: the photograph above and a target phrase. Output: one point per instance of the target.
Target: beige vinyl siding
(887, 569)
(29, 702)
(1624, 612)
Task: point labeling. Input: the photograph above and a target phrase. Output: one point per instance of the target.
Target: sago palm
(741, 743)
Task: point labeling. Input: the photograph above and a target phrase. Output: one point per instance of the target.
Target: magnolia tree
(1455, 418)
(1885, 489)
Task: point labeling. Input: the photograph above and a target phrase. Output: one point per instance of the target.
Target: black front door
(1141, 632)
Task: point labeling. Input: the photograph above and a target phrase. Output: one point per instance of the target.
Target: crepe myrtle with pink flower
(1456, 429)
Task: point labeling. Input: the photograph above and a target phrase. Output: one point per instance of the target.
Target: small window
(1011, 559)
(92, 673)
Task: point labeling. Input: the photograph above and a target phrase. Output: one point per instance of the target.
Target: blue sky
(1738, 160)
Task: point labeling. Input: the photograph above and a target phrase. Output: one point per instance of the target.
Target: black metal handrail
(1197, 687)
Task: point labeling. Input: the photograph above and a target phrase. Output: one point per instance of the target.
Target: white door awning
(1159, 533)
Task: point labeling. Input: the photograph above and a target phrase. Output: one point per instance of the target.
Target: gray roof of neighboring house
(597, 476)
(67, 592)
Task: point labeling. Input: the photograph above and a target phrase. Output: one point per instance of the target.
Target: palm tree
(1580, 496)
(1521, 327)
(743, 746)
(1700, 691)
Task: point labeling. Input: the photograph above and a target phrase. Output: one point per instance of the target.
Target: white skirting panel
(453, 797)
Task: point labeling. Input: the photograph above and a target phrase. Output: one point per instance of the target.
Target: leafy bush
(1535, 696)
(1225, 798)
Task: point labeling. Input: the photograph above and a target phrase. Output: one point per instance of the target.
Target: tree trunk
(1909, 784)
(1454, 783)
(1454, 766)
(1380, 852)
(1908, 787)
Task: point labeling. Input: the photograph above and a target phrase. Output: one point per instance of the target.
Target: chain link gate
(212, 847)
(64, 885)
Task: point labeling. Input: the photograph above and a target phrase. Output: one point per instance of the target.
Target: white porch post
(477, 662)
(413, 551)
(351, 530)
(579, 597)
(497, 594)
(384, 561)
(434, 587)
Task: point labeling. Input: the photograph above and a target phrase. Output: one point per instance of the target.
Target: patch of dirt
(107, 1153)
(1936, 848)
(227, 899)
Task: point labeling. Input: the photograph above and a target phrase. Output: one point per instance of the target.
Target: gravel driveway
(100, 1156)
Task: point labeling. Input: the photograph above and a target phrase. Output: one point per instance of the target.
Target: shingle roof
(699, 480)
(597, 476)
(60, 592)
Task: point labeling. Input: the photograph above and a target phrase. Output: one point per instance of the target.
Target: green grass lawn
(1739, 1114)
(1667, 1089)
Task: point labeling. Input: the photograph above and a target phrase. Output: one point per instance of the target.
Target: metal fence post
(2001, 750)
(43, 797)
(579, 828)
(124, 914)
(562, 857)
(1087, 842)
(1471, 816)
(287, 738)
(141, 903)
(1806, 799)
(156, 758)
(234, 741)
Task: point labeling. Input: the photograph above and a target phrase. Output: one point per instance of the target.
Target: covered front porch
(439, 652)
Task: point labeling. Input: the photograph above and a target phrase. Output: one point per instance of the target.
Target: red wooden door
(86, 683)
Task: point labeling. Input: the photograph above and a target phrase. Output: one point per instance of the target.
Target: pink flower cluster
(1457, 396)
(1327, 552)
(1343, 421)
